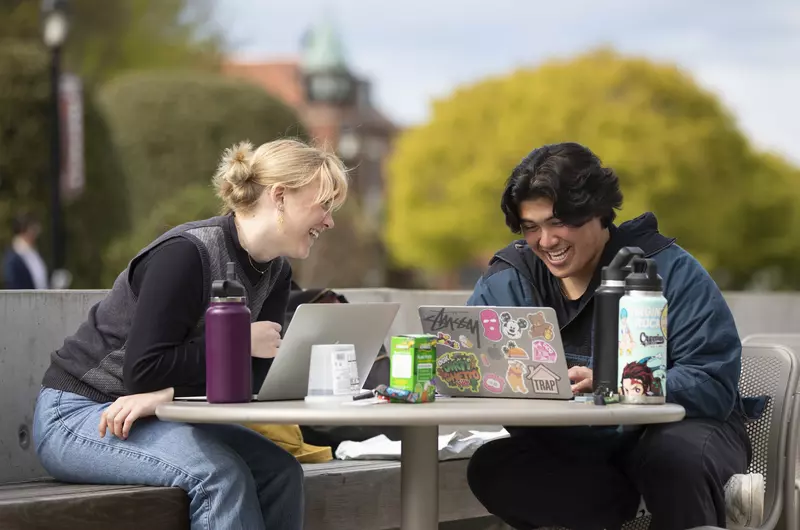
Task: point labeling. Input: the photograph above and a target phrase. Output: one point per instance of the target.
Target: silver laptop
(364, 325)
(507, 352)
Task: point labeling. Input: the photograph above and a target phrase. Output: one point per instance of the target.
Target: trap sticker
(543, 380)
(494, 383)
(543, 352)
(513, 328)
(459, 370)
(465, 341)
(515, 376)
(491, 325)
(540, 328)
(444, 338)
(485, 360)
(512, 351)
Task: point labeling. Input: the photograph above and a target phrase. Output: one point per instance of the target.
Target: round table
(419, 422)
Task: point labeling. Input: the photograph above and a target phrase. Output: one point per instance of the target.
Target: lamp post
(55, 27)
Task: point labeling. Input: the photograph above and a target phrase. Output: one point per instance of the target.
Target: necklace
(249, 258)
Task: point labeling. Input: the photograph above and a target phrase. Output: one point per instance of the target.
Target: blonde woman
(144, 344)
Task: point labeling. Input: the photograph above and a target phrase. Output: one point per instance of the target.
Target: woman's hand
(265, 338)
(118, 418)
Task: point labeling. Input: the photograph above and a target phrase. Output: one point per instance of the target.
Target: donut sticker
(543, 352)
(494, 383)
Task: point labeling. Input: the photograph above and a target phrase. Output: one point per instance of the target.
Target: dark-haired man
(23, 267)
(563, 201)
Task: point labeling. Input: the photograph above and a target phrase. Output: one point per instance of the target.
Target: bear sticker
(515, 376)
(513, 328)
(540, 328)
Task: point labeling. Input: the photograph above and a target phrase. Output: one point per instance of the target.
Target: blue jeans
(235, 477)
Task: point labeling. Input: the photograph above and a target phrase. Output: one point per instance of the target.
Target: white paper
(458, 444)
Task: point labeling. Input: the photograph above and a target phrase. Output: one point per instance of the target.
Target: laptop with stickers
(506, 352)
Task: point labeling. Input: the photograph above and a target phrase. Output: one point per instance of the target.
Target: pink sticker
(491, 325)
(494, 383)
(543, 352)
(516, 377)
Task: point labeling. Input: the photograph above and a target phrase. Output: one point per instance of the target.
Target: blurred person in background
(144, 344)
(23, 267)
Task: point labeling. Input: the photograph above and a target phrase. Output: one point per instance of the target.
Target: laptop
(506, 352)
(364, 325)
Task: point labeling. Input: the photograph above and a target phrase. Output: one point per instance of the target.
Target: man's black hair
(569, 175)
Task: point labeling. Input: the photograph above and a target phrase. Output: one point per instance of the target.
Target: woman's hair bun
(236, 165)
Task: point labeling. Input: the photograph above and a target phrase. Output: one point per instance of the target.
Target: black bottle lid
(229, 287)
(644, 276)
(619, 268)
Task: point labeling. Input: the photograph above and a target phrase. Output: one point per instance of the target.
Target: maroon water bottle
(228, 365)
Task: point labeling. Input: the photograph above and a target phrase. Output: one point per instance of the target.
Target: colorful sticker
(465, 341)
(444, 338)
(664, 320)
(516, 377)
(543, 352)
(544, 381)
(459, 370)
(485, 360)
(512, 351)
(491, 325)
(540, 328)
(512, 328)
(494, 383)
(643, 378)
(626, 342)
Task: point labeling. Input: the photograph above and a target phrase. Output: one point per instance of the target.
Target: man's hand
(581, 378)
(265, 338)
(118, 418)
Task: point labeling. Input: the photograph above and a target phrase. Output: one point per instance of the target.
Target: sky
(747, 52)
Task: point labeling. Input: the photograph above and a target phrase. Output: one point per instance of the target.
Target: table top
(444, 411)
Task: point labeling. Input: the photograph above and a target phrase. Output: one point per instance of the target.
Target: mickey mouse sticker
(511, 327)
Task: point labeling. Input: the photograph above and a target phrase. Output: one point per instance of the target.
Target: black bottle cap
(229, 287)
(644, 276)
(619, 267)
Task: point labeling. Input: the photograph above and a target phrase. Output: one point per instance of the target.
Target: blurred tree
(170, 129)
(107, 38)
(99, 213)
(676, 150)
(197, 201)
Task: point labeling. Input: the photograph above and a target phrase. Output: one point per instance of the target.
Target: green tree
(108, 38)
(94, 218)
(677, 151)
(170, 129)
(193, 202)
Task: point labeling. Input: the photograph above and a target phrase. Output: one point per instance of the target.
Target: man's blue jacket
(703, 347)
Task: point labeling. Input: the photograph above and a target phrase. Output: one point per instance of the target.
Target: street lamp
(55, 28)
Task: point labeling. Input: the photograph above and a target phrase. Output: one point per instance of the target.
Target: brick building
(336, 107)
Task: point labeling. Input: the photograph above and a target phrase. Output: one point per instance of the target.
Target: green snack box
(412, 361)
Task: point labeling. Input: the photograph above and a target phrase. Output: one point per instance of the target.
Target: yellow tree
(677, 151)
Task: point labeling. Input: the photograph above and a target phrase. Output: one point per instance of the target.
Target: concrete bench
(339, 494)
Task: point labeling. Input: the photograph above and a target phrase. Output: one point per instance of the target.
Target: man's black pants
(555, 477)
